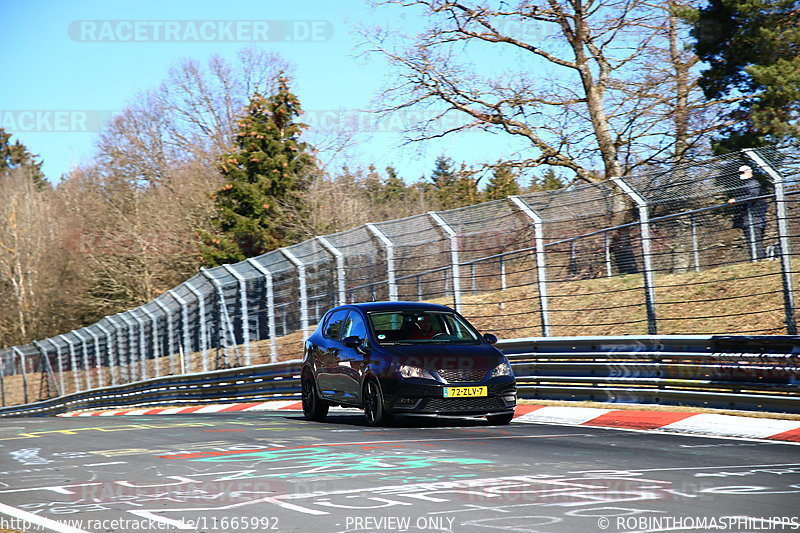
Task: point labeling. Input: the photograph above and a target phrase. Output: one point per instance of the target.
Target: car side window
(355, 326)
(334, 325)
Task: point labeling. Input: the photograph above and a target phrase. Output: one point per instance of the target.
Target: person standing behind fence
(750, 211)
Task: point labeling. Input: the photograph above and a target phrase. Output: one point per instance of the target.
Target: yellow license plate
(462, 392)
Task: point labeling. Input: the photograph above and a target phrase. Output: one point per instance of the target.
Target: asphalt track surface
(275, 471)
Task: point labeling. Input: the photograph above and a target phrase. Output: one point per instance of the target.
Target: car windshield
(421, 327)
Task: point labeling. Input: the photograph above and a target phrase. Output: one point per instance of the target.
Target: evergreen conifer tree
(16, 155)
(502, 184)
(266, 173)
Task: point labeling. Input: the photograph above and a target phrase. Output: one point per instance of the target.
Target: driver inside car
(421, 328)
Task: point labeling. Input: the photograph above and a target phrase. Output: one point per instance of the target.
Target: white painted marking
(138, 411)
(566, 415)
(109, 413)
(106, 464)
(213, 408)
(606, 472)
(732, 426)
(172, 411)
(147, 515)
(38, 520)
(270, 406)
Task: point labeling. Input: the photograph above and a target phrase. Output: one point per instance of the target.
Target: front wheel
(314, 408)
(374, 408)
(500, 420)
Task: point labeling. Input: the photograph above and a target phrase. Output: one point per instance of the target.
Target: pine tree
(266, 172)
(752, 48)
(16, 155)
(502, 184)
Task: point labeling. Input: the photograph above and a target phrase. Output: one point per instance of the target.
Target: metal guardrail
(732, 372)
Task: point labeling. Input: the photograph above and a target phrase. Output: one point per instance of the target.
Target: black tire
(374, 408)
(500, 420)
(314, 407)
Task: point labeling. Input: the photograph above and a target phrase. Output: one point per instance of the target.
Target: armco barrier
(733, 372)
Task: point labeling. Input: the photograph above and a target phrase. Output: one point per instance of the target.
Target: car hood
(446, 356)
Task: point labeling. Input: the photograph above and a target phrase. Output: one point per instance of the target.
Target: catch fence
(661, 252)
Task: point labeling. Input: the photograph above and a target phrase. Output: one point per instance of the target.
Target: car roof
(396, 306)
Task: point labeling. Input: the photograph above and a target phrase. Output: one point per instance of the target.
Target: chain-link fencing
(695, 249)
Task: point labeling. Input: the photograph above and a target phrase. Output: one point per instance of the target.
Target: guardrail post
(72, 361)
(113, 361)
(455, 264)
(647, 254)
(170, 334)
(340, 268)
(541, 266)
(273, 346)
(186, 351)
(301, 275)
(245, 312)
(154, 343)
(783, 238)
(85, 352)
(391, 276)
(201, 318)
(22, 365)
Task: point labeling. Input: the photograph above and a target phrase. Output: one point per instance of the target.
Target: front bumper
(426, 397)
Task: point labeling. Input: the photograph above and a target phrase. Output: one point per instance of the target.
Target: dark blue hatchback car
(405, 358)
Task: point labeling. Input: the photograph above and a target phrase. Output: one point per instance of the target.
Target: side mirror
(353, 341)
(491, 339)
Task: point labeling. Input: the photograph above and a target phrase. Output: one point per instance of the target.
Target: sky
(63, 77)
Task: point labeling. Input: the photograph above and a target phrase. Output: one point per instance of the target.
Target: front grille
(461, 375)
(453, 405)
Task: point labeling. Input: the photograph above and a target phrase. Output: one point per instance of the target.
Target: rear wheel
(374, 408)
(314, 408)
(500, 420)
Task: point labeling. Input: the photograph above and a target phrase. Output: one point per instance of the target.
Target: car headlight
(409, 371)
(503, 369)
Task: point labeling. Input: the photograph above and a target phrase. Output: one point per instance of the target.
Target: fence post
(454, 260)
(2, 377)
(142, 358)
(98, 359)
(391, 276)
(170, 334)
(783, 238)
(201, 318)
(607, 249)
(301, 275)
(24, 373)
(186, 362)
(118, 359)
(49, 372)
(647, 254)
(133, 360)
(695, 246)
(245, 312)
(541, 266)
(85, 358)
(340, 268)
(72, 361)
(224, 322)
(60, 366)
(113, 360)
(273, 347)
(154, 343)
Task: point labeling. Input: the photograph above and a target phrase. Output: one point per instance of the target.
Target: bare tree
(34, 259)
(568, 83)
